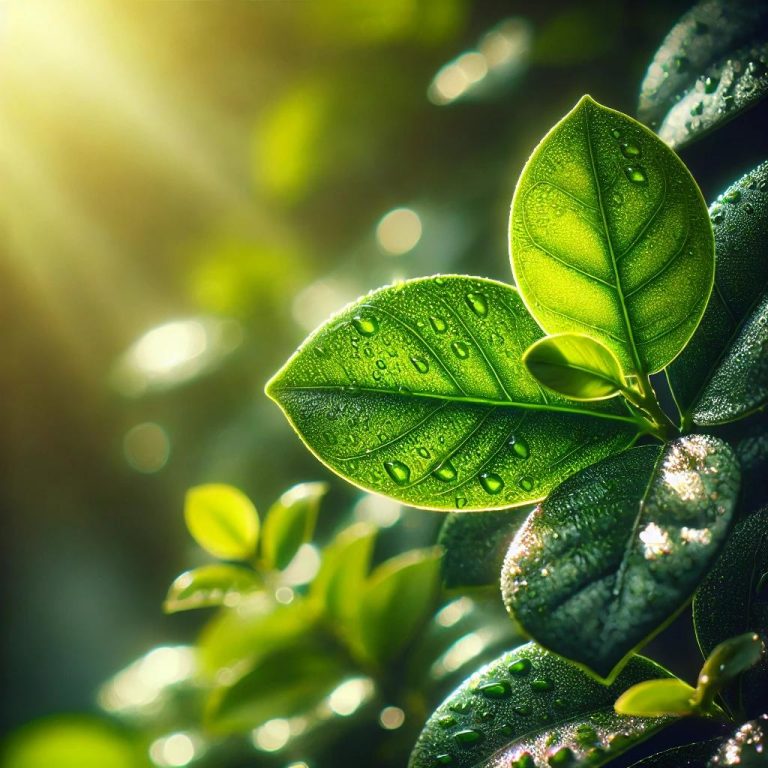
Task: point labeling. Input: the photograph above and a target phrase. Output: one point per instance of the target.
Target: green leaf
(575, 366)
(418, 392)
(222, 520)
(656, 698)
(747, 747)
(398, 600)
(733, 600)
(688, 756)
(707, 70)
(610, 237)
(475, 545)
(617, 549)
(290, 522)
(531, 702)
(210, 585)
(740, 222)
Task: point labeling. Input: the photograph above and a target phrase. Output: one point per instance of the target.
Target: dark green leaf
(747, 748)
(417, 391)
(688, 756)
(530, 701)
(610, 238)
(575, 366)
(707, 69)
(475, 544)
(290, 522)
(210, 585)
(656, 698)
(732, 600)
(740, 222)
(617, 549)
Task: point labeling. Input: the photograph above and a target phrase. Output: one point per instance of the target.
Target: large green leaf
(210, 585)
(740, 223)
(733, 600)
(418, 391)
(707, 69)
(610, 238)
(530, 708)
(618, 548)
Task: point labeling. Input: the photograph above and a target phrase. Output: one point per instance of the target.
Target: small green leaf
(687, 756)
(417, 391)
(531, 702)
(398, 600)
(575, 366)
(290, 522)
(610, 238)
(210, 585)
(617, 549)
(656, 698)
(732, 601)
(707, 70)
(475, 544)
(222, 520)
(747, 747)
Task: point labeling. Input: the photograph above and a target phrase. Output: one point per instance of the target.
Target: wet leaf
(688, 756)
(656, 698)
(610, 238)
(747, 748)
(475, 545)
(727, 343)
(733, 600)
(707, 69)
(290, 522)
(530, 702)
(222, 520)
(210, 585)
(617, 549)
(418, 392)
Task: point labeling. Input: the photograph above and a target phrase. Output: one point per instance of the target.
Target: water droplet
(697, 108)
(420, 364)
(586, 735)
(443, 759)
(423, 452)
(381, 365)
(560, 703)
(319, 351)
(461, 502)
(506, 729)
(563, 756)
(365, 325)
(460, 349)
(749, 208)
(520, 667)
(635, 174)
(398, 471)
(526, 483)
(519, 447)
(484, 715)
(732, 197)
(630, 149)
(445, 472)
(491, 482)
(439, 281)
(478, 303)
(616, 133)
(446, 721)
(462, 707)
(710, 84)
(467, 737)
(438, 324)
(541, 684)
(681, 63)
(494, 689)
(523, 710)
(717, 215)
(525, 761)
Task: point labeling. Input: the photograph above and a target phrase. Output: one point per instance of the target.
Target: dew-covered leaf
(532, 709)
(688, 756)
(710, 67)
(210, 585)
(475, 545)
(732, 600)
(610, 237)
(747, 747)
(222, 520)
(730, 329)
(290, 522)
(656, 698)
(618, 548)
(576, 366)
(418, 391)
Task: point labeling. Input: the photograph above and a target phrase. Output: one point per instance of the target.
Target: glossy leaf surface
(575, 366)
(707, 69)
(530, 702)
(290, 522)
(733, 600)
(222, 520)
(475, 545)
(740, 222)
(656, 698)
(730, 659)
(610, 238)
(210, 585)
(620, 547)
(418, 392)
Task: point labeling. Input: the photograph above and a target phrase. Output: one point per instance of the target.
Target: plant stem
(644, 399)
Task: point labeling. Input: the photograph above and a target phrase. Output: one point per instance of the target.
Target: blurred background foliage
(189, 188)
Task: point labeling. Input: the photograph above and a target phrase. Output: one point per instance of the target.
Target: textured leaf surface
(733, 600)
(475, 545)
(619, 547)
(747, 747)
(688, 756)
(418, 391)
(610, 238)
(740, 223)
(707, 69)
(531, 702)
(656, 698)
(208, 586)
(575, 366)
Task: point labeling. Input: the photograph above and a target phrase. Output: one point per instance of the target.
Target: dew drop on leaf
(635, 174)
(616, 133)
(423, 452)
(630, 150)
(523, 710)
(460, 349)
(461, 502)
(438, 324)
(519, 447)
(732, 197)
(398, 471)
(365, 325)
(447, 721)
(526, 483)
(443, 759)
(541, 684)
(525, 761)
(491, 482)
(710, 84)
(445, 472)
(478, 303)
(420, 364)
(520, 667)
(467, 737)
(495, 689)
(563, 756)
